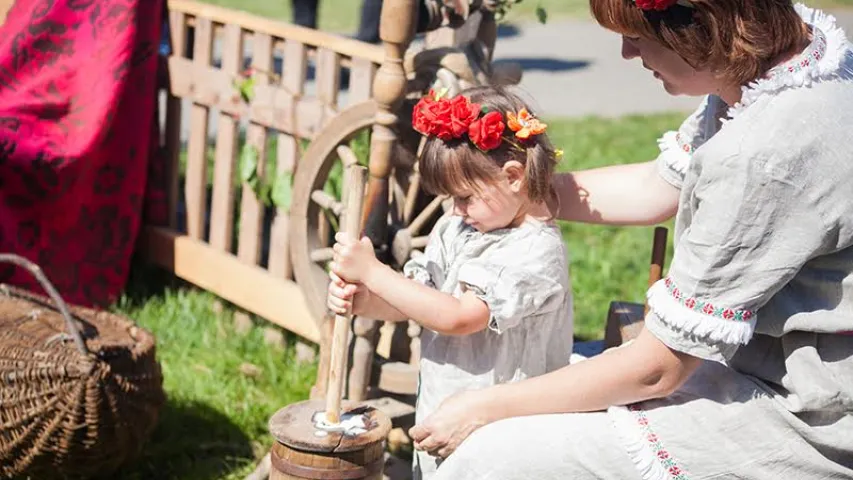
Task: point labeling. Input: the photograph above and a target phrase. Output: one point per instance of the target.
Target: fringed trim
(700, 318)
(821, 61)
(650, 456)
(673, 154)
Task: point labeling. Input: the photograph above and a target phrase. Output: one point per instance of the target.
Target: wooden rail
(219, 225)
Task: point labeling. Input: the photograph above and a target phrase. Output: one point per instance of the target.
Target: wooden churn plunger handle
(658, 258)
(354, 179)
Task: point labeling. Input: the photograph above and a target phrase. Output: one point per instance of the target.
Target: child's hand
(345, 296)
(353, 259)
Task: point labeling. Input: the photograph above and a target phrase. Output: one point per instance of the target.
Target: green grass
(342, 16)
(607, 263)
(214, 425)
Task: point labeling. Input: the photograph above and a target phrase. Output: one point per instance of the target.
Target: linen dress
(760, 286)
(522, 275)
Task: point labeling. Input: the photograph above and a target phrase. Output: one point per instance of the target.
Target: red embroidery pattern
(815, 52)
(666, 460)
(706, 308)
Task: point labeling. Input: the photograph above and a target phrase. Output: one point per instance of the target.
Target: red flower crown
(660, 5)
(437, 116)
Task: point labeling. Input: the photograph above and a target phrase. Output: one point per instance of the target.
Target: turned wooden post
(414, 333)
(396, 29)
(364, 345)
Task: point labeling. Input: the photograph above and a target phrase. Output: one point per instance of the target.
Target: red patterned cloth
(77, 131)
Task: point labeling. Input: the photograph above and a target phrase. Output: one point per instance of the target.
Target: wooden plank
(275, 28)
(625, 321)
(293, 81)
(328, 81)
(361, 77)
(222, 204)
(247, 286)
(195, 191)
(251, 209)
(398, 377)
(272, 107)
(178, 30)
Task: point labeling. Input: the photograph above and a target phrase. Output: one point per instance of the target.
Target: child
(492, 289)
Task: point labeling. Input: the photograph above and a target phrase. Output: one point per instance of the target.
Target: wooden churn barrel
(303, 451)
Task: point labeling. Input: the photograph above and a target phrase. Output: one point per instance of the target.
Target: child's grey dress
(761, 286)
(522, 274)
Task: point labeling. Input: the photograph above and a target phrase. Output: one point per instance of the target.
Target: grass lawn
(223, 386)
(342, 15)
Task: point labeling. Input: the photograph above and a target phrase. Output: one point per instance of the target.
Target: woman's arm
(643, 370)
(633, 194)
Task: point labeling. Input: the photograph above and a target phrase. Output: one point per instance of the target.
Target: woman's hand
(345, 297)
(353, 259)
(456, 418)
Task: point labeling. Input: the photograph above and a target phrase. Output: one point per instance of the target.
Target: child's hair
(457, 164)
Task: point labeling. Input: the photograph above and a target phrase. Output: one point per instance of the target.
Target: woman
(745, 366)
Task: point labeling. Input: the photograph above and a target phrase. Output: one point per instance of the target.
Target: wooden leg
(318, 391)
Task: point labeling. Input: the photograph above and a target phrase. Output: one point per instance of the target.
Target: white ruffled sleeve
(677, 146)
(753, 227)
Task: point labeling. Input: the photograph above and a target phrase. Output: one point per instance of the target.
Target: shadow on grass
(146, 281)
(191, 441)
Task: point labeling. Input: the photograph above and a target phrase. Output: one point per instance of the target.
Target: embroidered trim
(823, 60)
(685, 146)
(815, 52)
(688, 314)
(650, 456)
(706, 307)
(673, 154)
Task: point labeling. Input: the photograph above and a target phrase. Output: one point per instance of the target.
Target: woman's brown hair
(457, 165)
(739, 40)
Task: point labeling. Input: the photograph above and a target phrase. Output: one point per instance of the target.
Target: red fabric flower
(432, 117)
(486, 132)
(419, 121)
(462, 114)
(658, 5)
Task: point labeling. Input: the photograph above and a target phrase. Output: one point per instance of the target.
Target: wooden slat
(272, 106)
(222, 204)
(328, 81)
(178, 30)
(247, 286)
(293, 80)
(275, 28)
(196, 178)
(361, 77)
(251, 209)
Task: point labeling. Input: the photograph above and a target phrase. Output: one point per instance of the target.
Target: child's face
(496, 205)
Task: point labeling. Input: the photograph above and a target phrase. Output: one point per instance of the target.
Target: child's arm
(438, 311)
(430, 308)
(343, 296)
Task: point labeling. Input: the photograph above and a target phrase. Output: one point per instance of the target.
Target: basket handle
(54, 295)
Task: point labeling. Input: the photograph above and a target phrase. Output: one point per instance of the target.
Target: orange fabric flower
(524, 124)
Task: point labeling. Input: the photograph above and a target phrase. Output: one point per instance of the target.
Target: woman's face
(678, 77)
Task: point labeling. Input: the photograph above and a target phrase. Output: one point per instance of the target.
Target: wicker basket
(80, 394)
